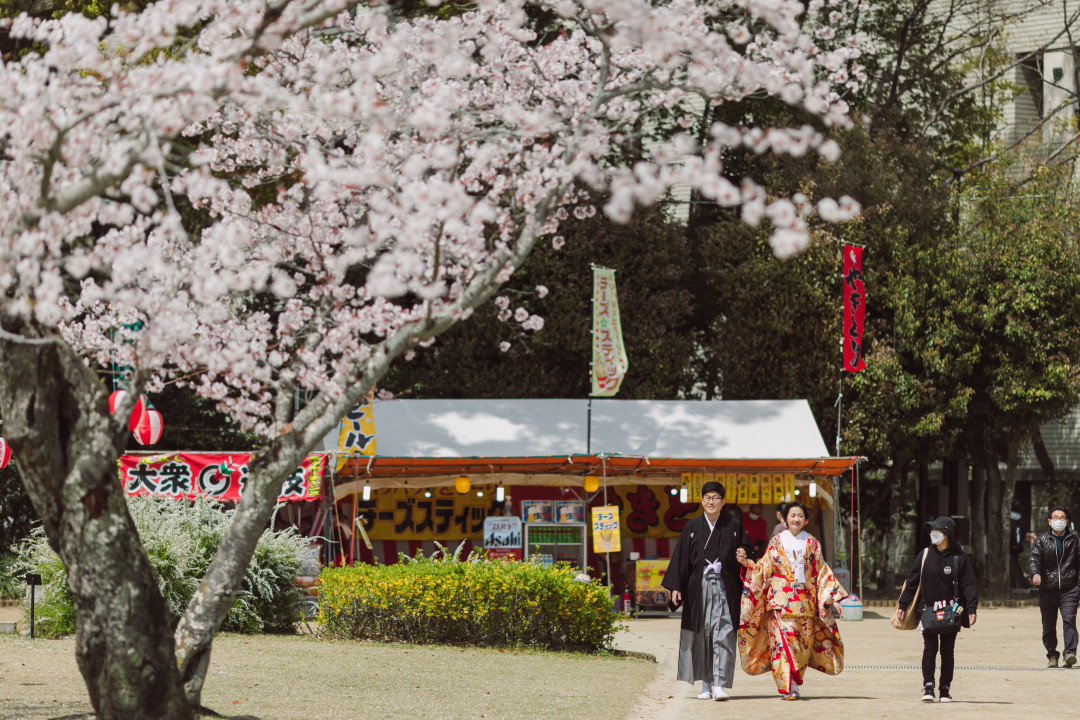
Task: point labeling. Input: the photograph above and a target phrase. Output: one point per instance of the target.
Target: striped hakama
(709, 654)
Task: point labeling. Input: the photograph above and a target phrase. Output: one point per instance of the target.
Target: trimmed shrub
(180, 539)
(476, 602)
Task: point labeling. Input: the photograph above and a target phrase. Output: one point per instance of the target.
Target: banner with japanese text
(609, 360)
(436, 514)
(854, 309)
(356, 433)
(213, 476)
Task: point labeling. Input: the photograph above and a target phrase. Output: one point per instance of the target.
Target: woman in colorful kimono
(787, 623)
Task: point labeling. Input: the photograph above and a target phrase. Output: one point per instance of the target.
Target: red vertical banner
(854, 309)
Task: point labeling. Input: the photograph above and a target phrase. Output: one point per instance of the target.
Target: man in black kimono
(703, 577)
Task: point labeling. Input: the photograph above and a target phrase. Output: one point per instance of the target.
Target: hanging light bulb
(427, 493)
(479, 493)
(683, 494)
(813, 489)
(500, 493)
(367, 492)
(673, 491)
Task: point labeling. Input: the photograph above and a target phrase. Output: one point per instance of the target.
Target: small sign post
(33, 580)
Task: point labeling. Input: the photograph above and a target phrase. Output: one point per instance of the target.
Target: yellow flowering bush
(472, 602)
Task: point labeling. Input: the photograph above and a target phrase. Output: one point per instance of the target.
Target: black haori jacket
(688, 564)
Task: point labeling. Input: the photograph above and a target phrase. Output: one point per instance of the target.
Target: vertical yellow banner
(731, 487)
(688, 483)
(356, 433)
(778, 489)
(705, 478)
(755, 489)
(742, 488)
(605, 529)
(789, 487)
(698, 482)
(766, 491)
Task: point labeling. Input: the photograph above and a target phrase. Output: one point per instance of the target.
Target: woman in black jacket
(947, 580)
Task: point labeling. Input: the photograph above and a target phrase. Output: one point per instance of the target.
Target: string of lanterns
(145, 423)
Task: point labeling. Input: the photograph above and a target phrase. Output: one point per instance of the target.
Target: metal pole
(33, 595)
(858, 499)
(607, 555)
(588, 429)
(839, 411)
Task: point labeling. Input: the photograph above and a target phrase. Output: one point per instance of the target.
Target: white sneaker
(707, 695)
(719, 694)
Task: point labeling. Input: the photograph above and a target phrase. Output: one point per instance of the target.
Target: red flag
(854, 308)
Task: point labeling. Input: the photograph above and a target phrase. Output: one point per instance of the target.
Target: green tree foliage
(651, 259)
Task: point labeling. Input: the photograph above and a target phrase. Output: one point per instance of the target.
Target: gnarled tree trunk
(64, 440)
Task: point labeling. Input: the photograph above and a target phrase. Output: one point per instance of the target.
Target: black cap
(945, 524)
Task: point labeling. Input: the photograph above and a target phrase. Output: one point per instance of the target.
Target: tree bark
(1045, 461)
(978, 522)
(997, 535)
(217, 590)
(57, 421)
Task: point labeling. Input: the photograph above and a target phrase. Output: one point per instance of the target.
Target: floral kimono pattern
(786, 626)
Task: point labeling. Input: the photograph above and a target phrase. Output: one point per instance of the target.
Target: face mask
(1059, 525)
(936, 536)
(754, 516)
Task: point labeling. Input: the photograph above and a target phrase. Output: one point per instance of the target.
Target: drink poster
(502, 537)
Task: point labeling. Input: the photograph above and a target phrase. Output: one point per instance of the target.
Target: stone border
(634, 654)
(1016, 603)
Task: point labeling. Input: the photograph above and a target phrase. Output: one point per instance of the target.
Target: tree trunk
(978, 522)
(1045, 461)
(1008, 491)
(64, 441)
(212, 599)
(997, 535)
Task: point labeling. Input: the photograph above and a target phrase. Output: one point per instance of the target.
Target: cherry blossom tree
(261, 198)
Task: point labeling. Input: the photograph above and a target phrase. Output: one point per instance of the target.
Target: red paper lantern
(136, 413)
(148, 431)
(5, 453)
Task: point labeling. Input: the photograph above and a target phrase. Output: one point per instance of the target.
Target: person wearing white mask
(1054, 564)
(787, 619)
(946, 581)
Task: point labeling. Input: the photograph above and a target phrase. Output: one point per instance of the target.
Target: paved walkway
(1000, 673)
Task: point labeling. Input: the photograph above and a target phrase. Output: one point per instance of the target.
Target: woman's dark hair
(713, 486)
(796, 504)
(1063, 509)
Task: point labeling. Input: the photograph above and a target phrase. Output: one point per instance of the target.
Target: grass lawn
(271, 677)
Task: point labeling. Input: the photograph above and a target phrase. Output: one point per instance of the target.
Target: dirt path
(1000, 673)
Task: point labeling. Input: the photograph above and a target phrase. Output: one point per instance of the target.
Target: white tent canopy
(728, 429)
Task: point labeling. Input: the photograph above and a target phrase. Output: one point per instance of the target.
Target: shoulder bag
(949, 618)
(911, 618)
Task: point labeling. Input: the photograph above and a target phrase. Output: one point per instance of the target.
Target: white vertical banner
(609, 362)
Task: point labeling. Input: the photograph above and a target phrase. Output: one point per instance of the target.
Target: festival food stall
(410, 474)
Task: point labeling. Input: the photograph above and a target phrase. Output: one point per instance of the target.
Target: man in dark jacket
(703, 576)
(1054, 565)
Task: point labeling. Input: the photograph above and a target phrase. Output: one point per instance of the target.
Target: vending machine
(555, 532)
